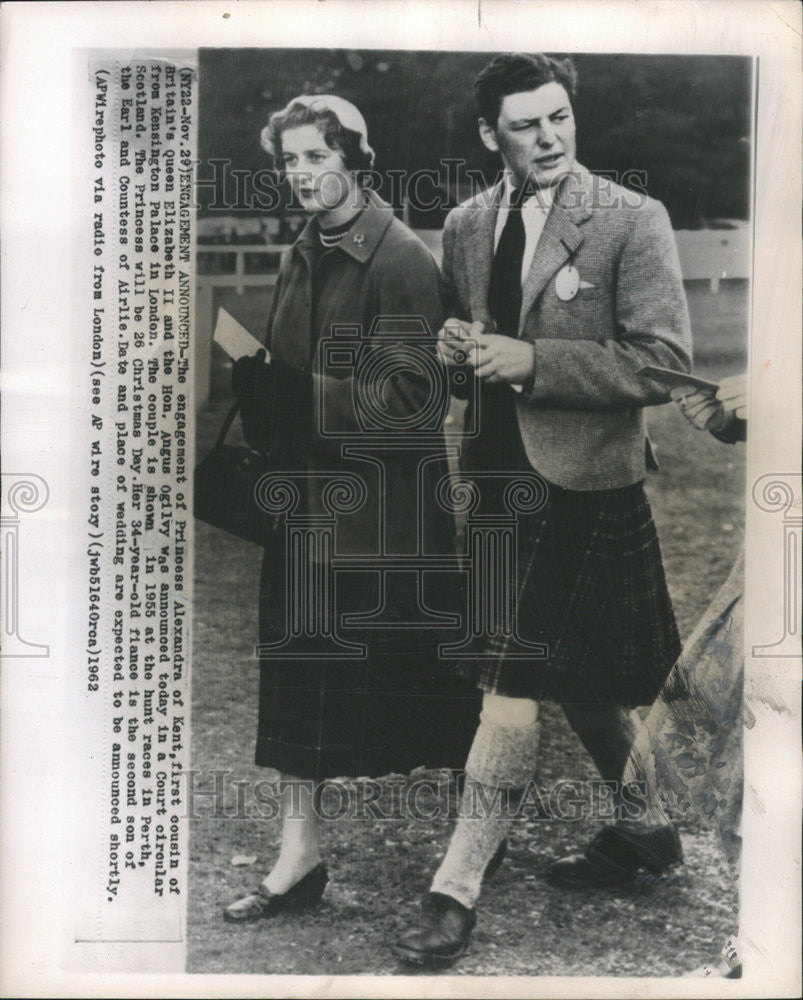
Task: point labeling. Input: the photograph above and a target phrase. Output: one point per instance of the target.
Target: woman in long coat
(349, 407)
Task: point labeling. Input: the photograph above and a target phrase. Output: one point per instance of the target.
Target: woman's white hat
(345, 112)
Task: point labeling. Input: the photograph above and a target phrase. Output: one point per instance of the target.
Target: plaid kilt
(590, 585)
(391, 711)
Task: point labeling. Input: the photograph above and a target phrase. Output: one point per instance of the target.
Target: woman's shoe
(262, 903)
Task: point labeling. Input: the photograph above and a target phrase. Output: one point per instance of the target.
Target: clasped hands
(494, 357)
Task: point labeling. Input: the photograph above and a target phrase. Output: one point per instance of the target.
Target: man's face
(535, 133)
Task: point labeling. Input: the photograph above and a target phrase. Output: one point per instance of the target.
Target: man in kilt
(563, 286)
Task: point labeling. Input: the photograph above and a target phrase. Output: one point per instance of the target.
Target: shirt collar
(540, 198)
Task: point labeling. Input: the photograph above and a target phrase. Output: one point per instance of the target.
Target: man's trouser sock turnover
(501, 762)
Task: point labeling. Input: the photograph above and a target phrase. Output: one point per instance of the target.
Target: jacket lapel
(480, 253)
(560, 237)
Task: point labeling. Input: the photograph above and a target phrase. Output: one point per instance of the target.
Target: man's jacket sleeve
(462, 386)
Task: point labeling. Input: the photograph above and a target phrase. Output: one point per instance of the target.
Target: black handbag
(224, 489)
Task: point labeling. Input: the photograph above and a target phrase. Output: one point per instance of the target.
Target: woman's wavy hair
(335, 135)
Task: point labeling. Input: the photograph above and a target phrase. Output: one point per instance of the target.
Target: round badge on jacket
(567, 283)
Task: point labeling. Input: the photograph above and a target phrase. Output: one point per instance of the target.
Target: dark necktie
(504, 294)
(499, 446)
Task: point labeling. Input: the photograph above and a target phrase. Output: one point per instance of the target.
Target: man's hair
(515, 72)
(345, 140)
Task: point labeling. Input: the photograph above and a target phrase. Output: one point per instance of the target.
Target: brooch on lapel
(567, 283)
(359, 239)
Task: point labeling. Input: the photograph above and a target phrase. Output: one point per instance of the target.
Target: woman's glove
(251, 383)
(249, 375)
(275, 405)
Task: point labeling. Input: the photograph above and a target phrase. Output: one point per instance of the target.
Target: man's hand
(733, 393)
(714, 413)
(698, 406)
(456, 342)
(493, 357)
(503, 359)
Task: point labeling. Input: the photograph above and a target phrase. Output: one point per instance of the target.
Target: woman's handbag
(224, 488)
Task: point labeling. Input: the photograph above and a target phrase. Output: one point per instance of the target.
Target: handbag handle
(224, 430)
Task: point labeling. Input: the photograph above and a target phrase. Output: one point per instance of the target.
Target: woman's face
(316, 173)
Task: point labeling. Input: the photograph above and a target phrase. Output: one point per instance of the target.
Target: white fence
(705, 255)
(714, 254)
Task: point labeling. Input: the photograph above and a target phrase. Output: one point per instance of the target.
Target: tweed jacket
(581, 417)
(365, 341)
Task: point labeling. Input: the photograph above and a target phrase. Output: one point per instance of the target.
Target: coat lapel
(480, 254)
(293, 341)
(560, 237)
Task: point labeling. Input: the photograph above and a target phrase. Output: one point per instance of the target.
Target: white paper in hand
(233, 337)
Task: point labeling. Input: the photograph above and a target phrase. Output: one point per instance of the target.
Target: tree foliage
(682, 122)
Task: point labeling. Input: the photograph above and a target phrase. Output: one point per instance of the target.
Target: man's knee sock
(501, 761)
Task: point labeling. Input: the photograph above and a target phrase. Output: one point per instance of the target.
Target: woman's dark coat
(355, 397)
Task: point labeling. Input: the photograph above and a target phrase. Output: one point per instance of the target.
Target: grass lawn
(379, 869)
